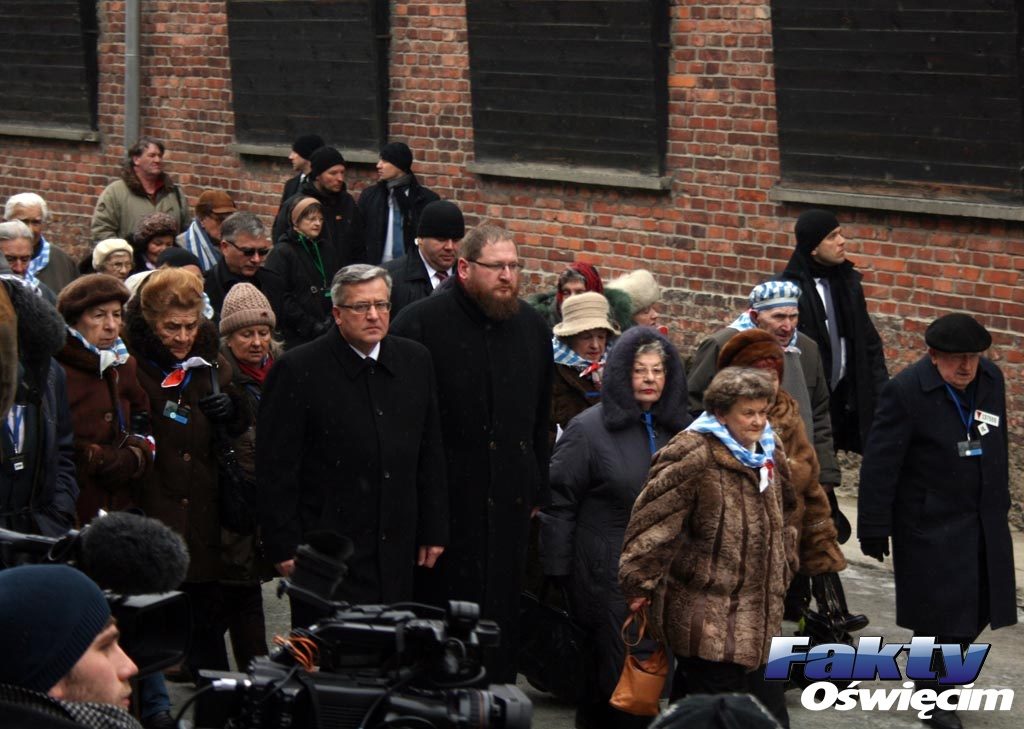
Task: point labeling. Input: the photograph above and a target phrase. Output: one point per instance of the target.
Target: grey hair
(356, 273)
(243, 222)
(25, 200)
(14, 229)
(652, 347)
(733, 383)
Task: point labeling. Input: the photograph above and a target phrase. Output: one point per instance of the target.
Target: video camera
(366, 666)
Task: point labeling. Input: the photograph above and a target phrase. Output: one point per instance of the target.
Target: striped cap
(771, 294)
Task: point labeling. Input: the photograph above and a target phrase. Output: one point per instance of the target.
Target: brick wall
(708, 239)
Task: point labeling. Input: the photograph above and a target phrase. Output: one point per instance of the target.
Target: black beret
(957, 334)
(443, 220)
(811, 228)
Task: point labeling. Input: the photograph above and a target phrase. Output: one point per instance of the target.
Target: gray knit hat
(245, 306)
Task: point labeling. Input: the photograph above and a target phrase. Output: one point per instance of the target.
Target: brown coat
(714, 554)
(819, 546)
(570, 396)
(109, 473)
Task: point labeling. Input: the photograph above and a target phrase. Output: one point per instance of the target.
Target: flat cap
(957, 334)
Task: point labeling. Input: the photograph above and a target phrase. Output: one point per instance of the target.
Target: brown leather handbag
(642, 681)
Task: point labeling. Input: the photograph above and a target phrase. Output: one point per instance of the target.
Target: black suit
(375, 211)
(410, 280)
(291, 187)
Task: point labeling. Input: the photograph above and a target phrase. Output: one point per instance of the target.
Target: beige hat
(104, 248)
(245, 306)
(583, 312)
(640, 286)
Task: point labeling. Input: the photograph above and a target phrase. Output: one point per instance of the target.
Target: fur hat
(305, 145)
(51, 615)
(811, 228)
(152, 225)
(104, 248)
(398, 154)
(245, 306)
(86, 291)
(749, 347)
(322, 160)
(640, 286)
(583, 312)
(442, 220)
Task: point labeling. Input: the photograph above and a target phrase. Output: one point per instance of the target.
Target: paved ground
(869, 590)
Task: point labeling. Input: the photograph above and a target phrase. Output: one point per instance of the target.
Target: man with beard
(493, 365)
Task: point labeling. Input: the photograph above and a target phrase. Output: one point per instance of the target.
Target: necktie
(397, 241)
(833, 336)
(441, 276)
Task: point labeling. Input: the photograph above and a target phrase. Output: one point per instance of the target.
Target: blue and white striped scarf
(198, 243)
(763, 462)
(41, 261)
(743, 322)
(564, 355)
(117, 355)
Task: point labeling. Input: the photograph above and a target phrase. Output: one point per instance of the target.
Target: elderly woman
(580, 342)
(711, 546)
(644, 294)
(305, 266)
(598, 468)
(177, 352)
(113, 257)
(578, 278)
(152, 235)
(104, 396)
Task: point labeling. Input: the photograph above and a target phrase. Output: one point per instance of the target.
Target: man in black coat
(391, 209)
(935, 479)
(348, 440)
(302, 149)
(425, 267)
(493, 364)
(834, 314)
(343, 224)
(243, 251)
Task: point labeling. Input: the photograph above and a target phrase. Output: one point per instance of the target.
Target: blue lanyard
(17, 414)
(649, 424)
(968, 419)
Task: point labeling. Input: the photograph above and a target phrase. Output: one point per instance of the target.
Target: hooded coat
(598, 468)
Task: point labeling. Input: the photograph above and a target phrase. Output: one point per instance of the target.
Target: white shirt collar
(374, 353)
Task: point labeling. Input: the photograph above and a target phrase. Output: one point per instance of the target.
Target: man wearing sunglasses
(244, 248)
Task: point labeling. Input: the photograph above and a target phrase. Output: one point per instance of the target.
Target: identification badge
(968, 448)
(987, 418)
(178, 413)
(982, 429)
(18, 463)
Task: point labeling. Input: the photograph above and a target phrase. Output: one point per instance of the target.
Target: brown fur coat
(713, 553)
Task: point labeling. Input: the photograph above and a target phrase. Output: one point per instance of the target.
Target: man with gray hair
(49, 264)
(349, 440)
(243, 248)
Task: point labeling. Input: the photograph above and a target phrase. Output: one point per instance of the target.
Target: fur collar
(146, 346)
(41, 330)
(135, 184)
(620, 409)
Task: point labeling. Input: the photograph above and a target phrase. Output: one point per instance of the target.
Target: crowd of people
(369, 369)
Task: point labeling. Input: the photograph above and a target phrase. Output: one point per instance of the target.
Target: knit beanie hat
(583, 312)
(153, 225)
(322, 160)
(716, 711)
(90, 290)
(50, 616)
(811, 228)
(104, 248)
(398, 154)
(245, 306)
(640, 286)
(748, 348)
(305, 145)
(443, 220)
(176, 258)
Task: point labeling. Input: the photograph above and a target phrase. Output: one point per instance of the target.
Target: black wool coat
(947, 515)
(354, 447)
(494, 386)
(343, 223)
(373, 206)
(410, 281)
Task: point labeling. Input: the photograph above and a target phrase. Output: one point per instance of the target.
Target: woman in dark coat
(598, 468)
(176, 348)
(104, 396)
(305, 264)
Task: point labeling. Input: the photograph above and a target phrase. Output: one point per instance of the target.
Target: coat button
(184, 502)
(492, 445)
(383, 537)
(380, 412)
(186, 457)
(387, 474)
(108, 416)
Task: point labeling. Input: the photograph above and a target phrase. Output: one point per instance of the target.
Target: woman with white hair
(49, 263)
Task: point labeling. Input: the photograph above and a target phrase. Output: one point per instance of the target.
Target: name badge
(987, 418)
(968, 448)
(18, 463)
(982, 429)
(178, 413)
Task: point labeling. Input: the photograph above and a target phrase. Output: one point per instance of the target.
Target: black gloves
(218, 408)
(877, 547)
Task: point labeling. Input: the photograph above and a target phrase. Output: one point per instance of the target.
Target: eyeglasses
(32, 221)
(513, 268)
(249, 252)
(363, 307)
(18, 259)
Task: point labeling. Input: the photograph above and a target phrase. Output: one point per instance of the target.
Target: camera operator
(62, 665)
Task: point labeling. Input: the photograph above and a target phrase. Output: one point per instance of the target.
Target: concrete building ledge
(358, 156)
(579, 175)
(42, 131)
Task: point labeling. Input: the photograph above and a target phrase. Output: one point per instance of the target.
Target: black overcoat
(353, 446)
(494, 386)
(343, 224)
(947, 515)
(410, 280)
(373, 206)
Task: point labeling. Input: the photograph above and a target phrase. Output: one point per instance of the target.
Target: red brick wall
(708, 239)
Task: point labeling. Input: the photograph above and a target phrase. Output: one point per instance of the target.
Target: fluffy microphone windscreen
(133, 555)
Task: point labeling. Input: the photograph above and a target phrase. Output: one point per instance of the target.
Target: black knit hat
(441, 219)
(176, 258)
(324, 159)
(811, 228)
(305, 145)
(50, 615)
(90, 290)
(957, 334)
(398, 154)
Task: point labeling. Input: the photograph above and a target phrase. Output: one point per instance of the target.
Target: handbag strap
(641, 628)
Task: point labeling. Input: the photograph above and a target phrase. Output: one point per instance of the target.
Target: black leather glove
(217, 408)
(877, 547)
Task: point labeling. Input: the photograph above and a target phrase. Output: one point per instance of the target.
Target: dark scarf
(256, 372)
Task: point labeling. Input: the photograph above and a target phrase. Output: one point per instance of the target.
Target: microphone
(132, 555)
